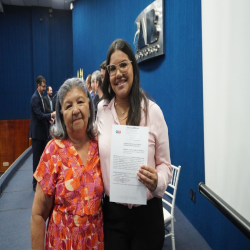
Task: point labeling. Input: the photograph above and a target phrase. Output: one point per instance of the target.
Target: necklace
(122, 111)
(121, 119)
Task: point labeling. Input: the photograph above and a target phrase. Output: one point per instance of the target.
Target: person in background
(39, 123)
(103, 69)
(88, 82)
(50, 105)
(98, 88)
(70, 186)
(93, 82)
(129, 226)
(49, 101)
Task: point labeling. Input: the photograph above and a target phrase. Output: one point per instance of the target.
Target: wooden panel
(6, 144)
(14, 140)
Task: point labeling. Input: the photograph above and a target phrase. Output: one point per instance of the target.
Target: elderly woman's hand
(148, 176)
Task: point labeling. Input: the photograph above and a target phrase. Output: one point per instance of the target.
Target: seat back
(172, 189)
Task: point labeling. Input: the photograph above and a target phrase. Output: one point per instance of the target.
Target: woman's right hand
(148, 176)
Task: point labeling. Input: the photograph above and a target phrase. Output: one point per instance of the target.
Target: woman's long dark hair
(136, 93)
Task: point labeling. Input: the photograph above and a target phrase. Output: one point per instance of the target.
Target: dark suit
(47, 104)
(38, 129)
(48, 109)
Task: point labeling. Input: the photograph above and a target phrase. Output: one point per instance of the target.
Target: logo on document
(118, 131)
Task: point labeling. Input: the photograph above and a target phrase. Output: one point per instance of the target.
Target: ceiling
(54, 4)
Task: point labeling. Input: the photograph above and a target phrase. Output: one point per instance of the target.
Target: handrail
(240, 222)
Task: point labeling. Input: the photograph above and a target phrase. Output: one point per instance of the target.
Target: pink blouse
(158, 144)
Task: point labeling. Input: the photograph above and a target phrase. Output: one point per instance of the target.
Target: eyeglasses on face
(122, 66)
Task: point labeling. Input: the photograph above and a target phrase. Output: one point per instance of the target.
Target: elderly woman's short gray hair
(59, 129)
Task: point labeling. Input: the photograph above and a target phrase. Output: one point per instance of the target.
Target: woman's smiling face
(75, 109)
(121, 83)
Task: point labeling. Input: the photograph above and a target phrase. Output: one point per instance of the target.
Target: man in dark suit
(49, 101)
(49, 105)
(39, 123)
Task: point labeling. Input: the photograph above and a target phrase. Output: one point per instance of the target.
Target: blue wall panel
(15, 63)
(41, 43)
(61, 48)
(30, 48)
(96, 24)
(174, 81)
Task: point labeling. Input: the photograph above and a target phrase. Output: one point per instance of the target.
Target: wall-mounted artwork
(149, 32)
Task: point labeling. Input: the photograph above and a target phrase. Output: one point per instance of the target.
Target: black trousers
(37, 149)
(133, 229)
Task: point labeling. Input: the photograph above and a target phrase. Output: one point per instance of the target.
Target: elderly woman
(127, 226)
(70, 186)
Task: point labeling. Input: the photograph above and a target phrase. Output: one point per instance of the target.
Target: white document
(129, 150)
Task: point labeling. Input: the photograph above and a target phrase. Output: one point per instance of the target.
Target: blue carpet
(186, 236)
(15, 212)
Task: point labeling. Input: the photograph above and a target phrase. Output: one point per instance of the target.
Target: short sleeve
(45, 173)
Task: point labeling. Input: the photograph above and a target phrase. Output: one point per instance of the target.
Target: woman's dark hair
(136, 93)
(103, 65)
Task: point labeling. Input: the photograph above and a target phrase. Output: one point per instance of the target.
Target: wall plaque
(149, 32)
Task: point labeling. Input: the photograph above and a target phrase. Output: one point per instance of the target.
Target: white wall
(226, 92)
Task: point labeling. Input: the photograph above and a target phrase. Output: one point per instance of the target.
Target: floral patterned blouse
(76, 221)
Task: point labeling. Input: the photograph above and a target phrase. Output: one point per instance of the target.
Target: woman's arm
(41, 208)
(156, 179)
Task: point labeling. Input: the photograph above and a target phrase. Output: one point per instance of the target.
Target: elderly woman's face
(75, 109)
